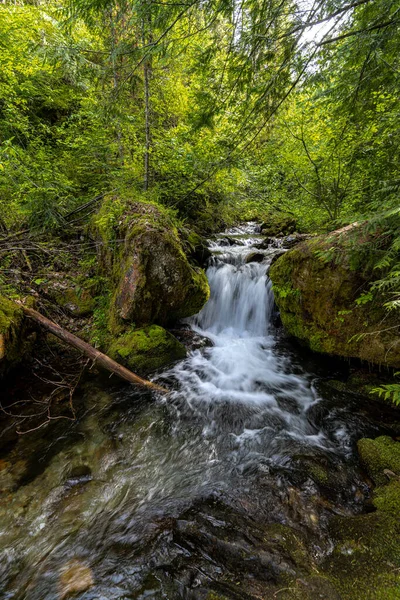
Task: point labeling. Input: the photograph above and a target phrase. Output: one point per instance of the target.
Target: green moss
(379, 454)
(366, 561)
(152, 279)
(12, 344)
(77, 300)
(146, 349)
(278, 223)
(197, 294)
(317, 294)
(319, 474)
(365, 564)
(10, 315)
(387, 498)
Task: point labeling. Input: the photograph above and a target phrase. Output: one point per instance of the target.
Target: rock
(75, 578)
(278, 223)
(291, 240)
(75, 300)
(265, 244)
(378, 455)
(154, 281)
(146, 349)
(254, 257)
(14, 343)
(316, 285)
(387, 498)
(365, 561)
(196, 248)
(275, 257)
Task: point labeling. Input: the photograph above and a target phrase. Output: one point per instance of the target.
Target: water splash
(244, 367)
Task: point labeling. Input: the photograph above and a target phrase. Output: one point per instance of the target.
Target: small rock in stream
(75, 577)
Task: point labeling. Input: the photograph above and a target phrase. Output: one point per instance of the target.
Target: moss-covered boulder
(365, 563)
(146, 349)
(278, 223)
(317, 288)
(379, 455)
(12, 343)
(153, 279)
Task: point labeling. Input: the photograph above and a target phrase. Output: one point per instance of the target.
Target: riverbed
(222, 489)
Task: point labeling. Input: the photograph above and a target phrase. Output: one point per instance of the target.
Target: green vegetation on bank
(215, 112)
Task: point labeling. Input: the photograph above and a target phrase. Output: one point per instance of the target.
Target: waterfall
(243, 366)
(241, 300)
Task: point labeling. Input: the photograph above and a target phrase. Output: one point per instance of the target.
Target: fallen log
(98, 357)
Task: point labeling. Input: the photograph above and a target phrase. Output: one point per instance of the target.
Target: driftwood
(98, 357)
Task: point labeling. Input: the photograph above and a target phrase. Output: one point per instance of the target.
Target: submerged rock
(75, 578)
(316, 288)
(146, 349)
(255, 257)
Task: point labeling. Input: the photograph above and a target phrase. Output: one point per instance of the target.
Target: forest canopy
(197, 105)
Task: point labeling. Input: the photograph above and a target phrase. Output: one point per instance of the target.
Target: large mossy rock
(316, 286)
(278, 223)
(154, 281)
(365, 562)
(12, 343)
(146, 349)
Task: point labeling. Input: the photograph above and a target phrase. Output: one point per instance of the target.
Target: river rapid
(222, 489)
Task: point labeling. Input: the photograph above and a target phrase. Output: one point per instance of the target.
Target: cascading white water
(243, 365)
(241, 300)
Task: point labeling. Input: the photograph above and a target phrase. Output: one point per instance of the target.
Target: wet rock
(75, 578)
(146, 349)
(316, 286)
(265, 244)
(255, 257)
(191, 339)
(79, 474)
(196, 248)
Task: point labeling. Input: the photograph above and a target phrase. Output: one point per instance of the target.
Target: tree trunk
(98, 357)
(147, 39)
(147, 125)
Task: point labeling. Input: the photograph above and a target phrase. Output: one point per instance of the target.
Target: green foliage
(389, 392)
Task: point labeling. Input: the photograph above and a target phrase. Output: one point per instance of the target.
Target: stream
(207, 493)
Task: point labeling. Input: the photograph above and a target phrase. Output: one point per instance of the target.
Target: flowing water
(186, 496)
